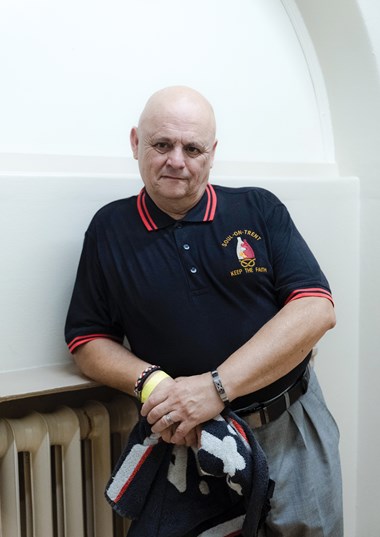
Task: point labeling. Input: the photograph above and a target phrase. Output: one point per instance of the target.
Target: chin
(176, 190)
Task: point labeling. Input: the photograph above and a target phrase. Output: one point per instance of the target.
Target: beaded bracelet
(142, 378)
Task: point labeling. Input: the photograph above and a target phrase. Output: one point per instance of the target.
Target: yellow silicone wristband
(152, 382)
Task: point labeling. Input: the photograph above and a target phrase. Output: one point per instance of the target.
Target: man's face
(175, 148)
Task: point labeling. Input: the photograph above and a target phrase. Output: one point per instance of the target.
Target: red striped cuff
(81, 340)
(311, 291)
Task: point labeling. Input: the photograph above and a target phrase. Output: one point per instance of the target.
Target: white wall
(346, 37)
(77, 73)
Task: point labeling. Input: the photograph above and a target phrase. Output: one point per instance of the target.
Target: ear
(134, 139)
(213, 153)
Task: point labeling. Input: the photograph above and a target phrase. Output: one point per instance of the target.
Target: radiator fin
(54, 468)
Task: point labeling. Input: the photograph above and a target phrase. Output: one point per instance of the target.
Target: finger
(151, 404)
(158, 396)
(168, 433)
(156, 415)
(191, 439)
(182, 430)
(166, 421)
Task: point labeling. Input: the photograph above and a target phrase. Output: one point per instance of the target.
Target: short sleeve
(90, 315)
(297, 273)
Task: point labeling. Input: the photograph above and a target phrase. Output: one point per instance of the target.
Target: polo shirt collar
(153, 218)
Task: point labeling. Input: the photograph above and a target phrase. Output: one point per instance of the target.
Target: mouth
(173, 178)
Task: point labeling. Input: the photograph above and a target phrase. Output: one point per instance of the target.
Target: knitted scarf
(221, 489)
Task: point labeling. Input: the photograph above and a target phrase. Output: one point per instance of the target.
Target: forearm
(271, 353)
(109, 363)
(278, 347)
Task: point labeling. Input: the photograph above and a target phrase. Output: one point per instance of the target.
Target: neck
(175, 208)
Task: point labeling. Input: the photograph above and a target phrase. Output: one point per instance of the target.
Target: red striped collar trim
(143, 211)
(211, 201)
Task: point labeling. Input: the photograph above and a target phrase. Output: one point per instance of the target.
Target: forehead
(181, 131)
(181, 119)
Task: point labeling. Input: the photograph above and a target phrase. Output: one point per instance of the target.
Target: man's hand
(176, 407)
(192, 439)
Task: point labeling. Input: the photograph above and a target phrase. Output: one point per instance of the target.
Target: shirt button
(186, 247)
(193, 270)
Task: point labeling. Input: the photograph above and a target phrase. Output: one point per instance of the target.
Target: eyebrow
(157, 138)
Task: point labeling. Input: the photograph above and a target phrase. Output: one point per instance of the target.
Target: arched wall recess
(316, 77)
(349, 63)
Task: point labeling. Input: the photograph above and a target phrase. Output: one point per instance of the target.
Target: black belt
(260, 414)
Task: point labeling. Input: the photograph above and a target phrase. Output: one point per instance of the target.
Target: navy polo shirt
(186, 294)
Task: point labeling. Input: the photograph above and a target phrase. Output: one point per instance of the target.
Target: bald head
(181, 101)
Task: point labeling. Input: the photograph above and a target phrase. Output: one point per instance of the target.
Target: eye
(162, 147)
(192, 150)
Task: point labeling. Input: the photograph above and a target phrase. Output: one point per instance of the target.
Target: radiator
(54, 468)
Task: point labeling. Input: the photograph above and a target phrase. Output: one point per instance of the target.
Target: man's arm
(277, 348)
(109, 363)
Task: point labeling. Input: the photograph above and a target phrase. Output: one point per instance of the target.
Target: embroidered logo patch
(242, 241)
(245, 253)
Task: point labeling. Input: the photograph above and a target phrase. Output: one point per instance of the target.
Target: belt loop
(306, 378)
(264, 416)
(287, 400)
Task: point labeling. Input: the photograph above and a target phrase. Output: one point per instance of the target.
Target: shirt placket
(187, 253)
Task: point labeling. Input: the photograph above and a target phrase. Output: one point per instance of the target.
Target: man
(201, 278)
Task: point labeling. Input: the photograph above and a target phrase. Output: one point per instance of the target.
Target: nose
(176, 158)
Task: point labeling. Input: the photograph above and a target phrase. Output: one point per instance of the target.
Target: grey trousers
(303, 458)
